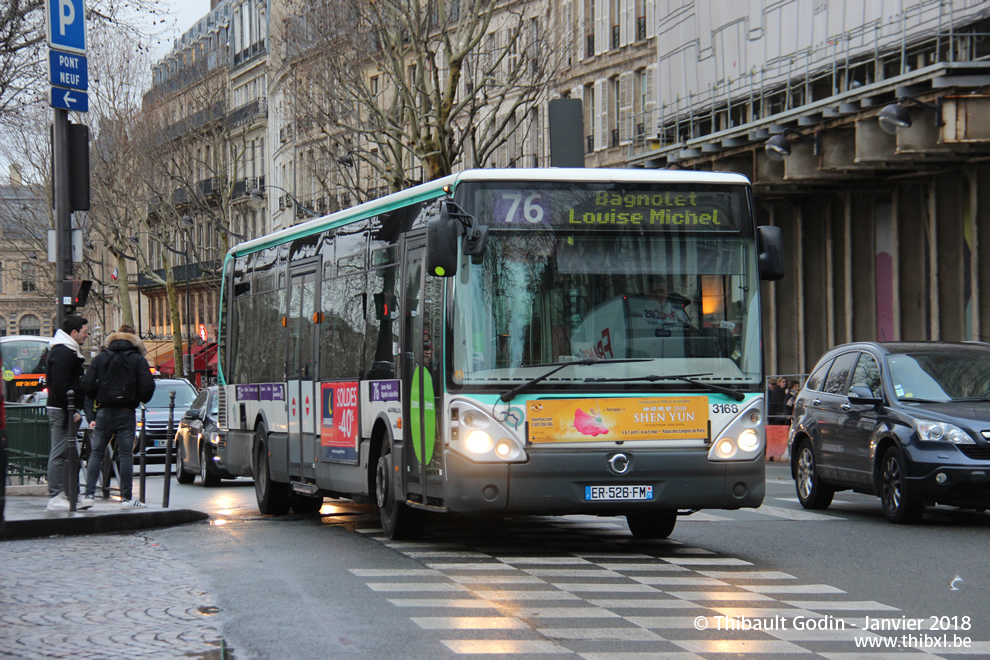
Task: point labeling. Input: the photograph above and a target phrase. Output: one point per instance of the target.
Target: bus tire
(306, 504)
(273, 497)
(398, 520)
(657, 525)
(181, 475)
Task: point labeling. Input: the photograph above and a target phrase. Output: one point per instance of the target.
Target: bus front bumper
(555, 483)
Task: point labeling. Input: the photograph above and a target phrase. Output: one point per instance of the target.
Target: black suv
(156, 417)
(909, 422)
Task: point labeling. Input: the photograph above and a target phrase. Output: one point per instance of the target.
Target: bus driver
(659, 309)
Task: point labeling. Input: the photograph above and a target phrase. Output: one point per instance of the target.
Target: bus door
(302, 353)
(421, 374)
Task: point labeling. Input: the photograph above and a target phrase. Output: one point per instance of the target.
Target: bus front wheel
(273, 497)
(398, 520)
(652, 525)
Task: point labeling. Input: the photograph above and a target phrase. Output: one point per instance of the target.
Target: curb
(32, 490)
(83, 523)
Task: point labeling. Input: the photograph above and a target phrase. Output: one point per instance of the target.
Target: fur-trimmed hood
(128, 337)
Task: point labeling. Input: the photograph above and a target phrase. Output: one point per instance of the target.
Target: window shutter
(651, 101)
(581, 31)
(602, 29)
(651, 18)
(627, 31)
(601, 114)
(567, 27)
(625, 108)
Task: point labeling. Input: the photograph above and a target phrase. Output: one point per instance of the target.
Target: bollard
(141, 446)
(169, 439)
(70, 485)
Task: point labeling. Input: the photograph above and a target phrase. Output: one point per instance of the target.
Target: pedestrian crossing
(580, 587)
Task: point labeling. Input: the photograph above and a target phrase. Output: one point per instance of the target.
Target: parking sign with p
(66, 25)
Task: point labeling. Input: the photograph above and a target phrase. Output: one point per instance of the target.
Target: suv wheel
(812, 492)
(899, 506)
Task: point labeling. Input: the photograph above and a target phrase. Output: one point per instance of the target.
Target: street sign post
(66, 25)
(65, 28)
(68, 70)
(68, 99)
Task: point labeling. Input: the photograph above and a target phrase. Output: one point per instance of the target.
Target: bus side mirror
(442, 233)
(771, 245)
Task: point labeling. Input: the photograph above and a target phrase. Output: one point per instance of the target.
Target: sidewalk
(26, 516)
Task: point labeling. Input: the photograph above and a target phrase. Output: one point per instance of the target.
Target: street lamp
(258, 193)
(779, 147)
(186, 223)
(896, 118)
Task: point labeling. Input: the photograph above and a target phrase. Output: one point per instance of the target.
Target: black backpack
(118, 382)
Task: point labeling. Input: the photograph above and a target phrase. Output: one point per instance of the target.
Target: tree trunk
(124, 293)
(173, 306)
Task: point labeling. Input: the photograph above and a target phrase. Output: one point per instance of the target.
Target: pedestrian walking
(63, 372)
(118, 380)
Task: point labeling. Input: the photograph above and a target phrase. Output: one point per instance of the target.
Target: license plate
(159, 442)
(617, 493)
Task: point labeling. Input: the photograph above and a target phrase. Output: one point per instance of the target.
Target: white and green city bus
(494, 342)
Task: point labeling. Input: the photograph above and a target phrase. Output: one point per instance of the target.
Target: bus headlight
(479, 442)
(507, 450)
(725, 448)
(475, 434)
(748, 440)
(743, 437)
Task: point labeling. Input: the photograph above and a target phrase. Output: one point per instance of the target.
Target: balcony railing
(640, 28)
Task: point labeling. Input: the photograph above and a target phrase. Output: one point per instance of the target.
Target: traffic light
(384, 306)
(74, 294)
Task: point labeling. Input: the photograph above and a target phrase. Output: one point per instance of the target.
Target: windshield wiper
(914, 399)
(687, 378)
(508, 396)
(972, 398)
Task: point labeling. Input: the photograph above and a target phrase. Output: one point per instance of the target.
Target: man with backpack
(118, 380)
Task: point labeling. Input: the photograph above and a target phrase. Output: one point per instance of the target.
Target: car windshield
(945, 375)
(184, 395)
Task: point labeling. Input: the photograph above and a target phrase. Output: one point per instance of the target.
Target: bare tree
(22, 41)
(119, 72)
(194, 150)
(431, 84)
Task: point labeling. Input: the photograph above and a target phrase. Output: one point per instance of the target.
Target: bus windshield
(581, 273)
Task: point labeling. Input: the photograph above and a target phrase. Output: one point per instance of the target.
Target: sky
(184, 13)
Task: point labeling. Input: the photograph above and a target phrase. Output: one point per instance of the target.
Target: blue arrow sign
(66, 25)
(68, 99)
(66, 70)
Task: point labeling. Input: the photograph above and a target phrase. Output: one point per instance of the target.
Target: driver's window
(867, 374)
(199, 402)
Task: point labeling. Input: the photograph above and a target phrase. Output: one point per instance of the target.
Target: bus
(491, 343)
(24, 361)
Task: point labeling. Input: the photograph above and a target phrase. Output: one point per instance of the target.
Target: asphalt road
(329, 585)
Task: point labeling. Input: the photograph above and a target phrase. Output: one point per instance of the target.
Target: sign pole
(63, 211)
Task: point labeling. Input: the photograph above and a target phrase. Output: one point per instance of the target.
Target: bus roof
(434, 189)
(37, 338)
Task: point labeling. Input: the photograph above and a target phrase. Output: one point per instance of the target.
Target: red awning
(204, 358)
